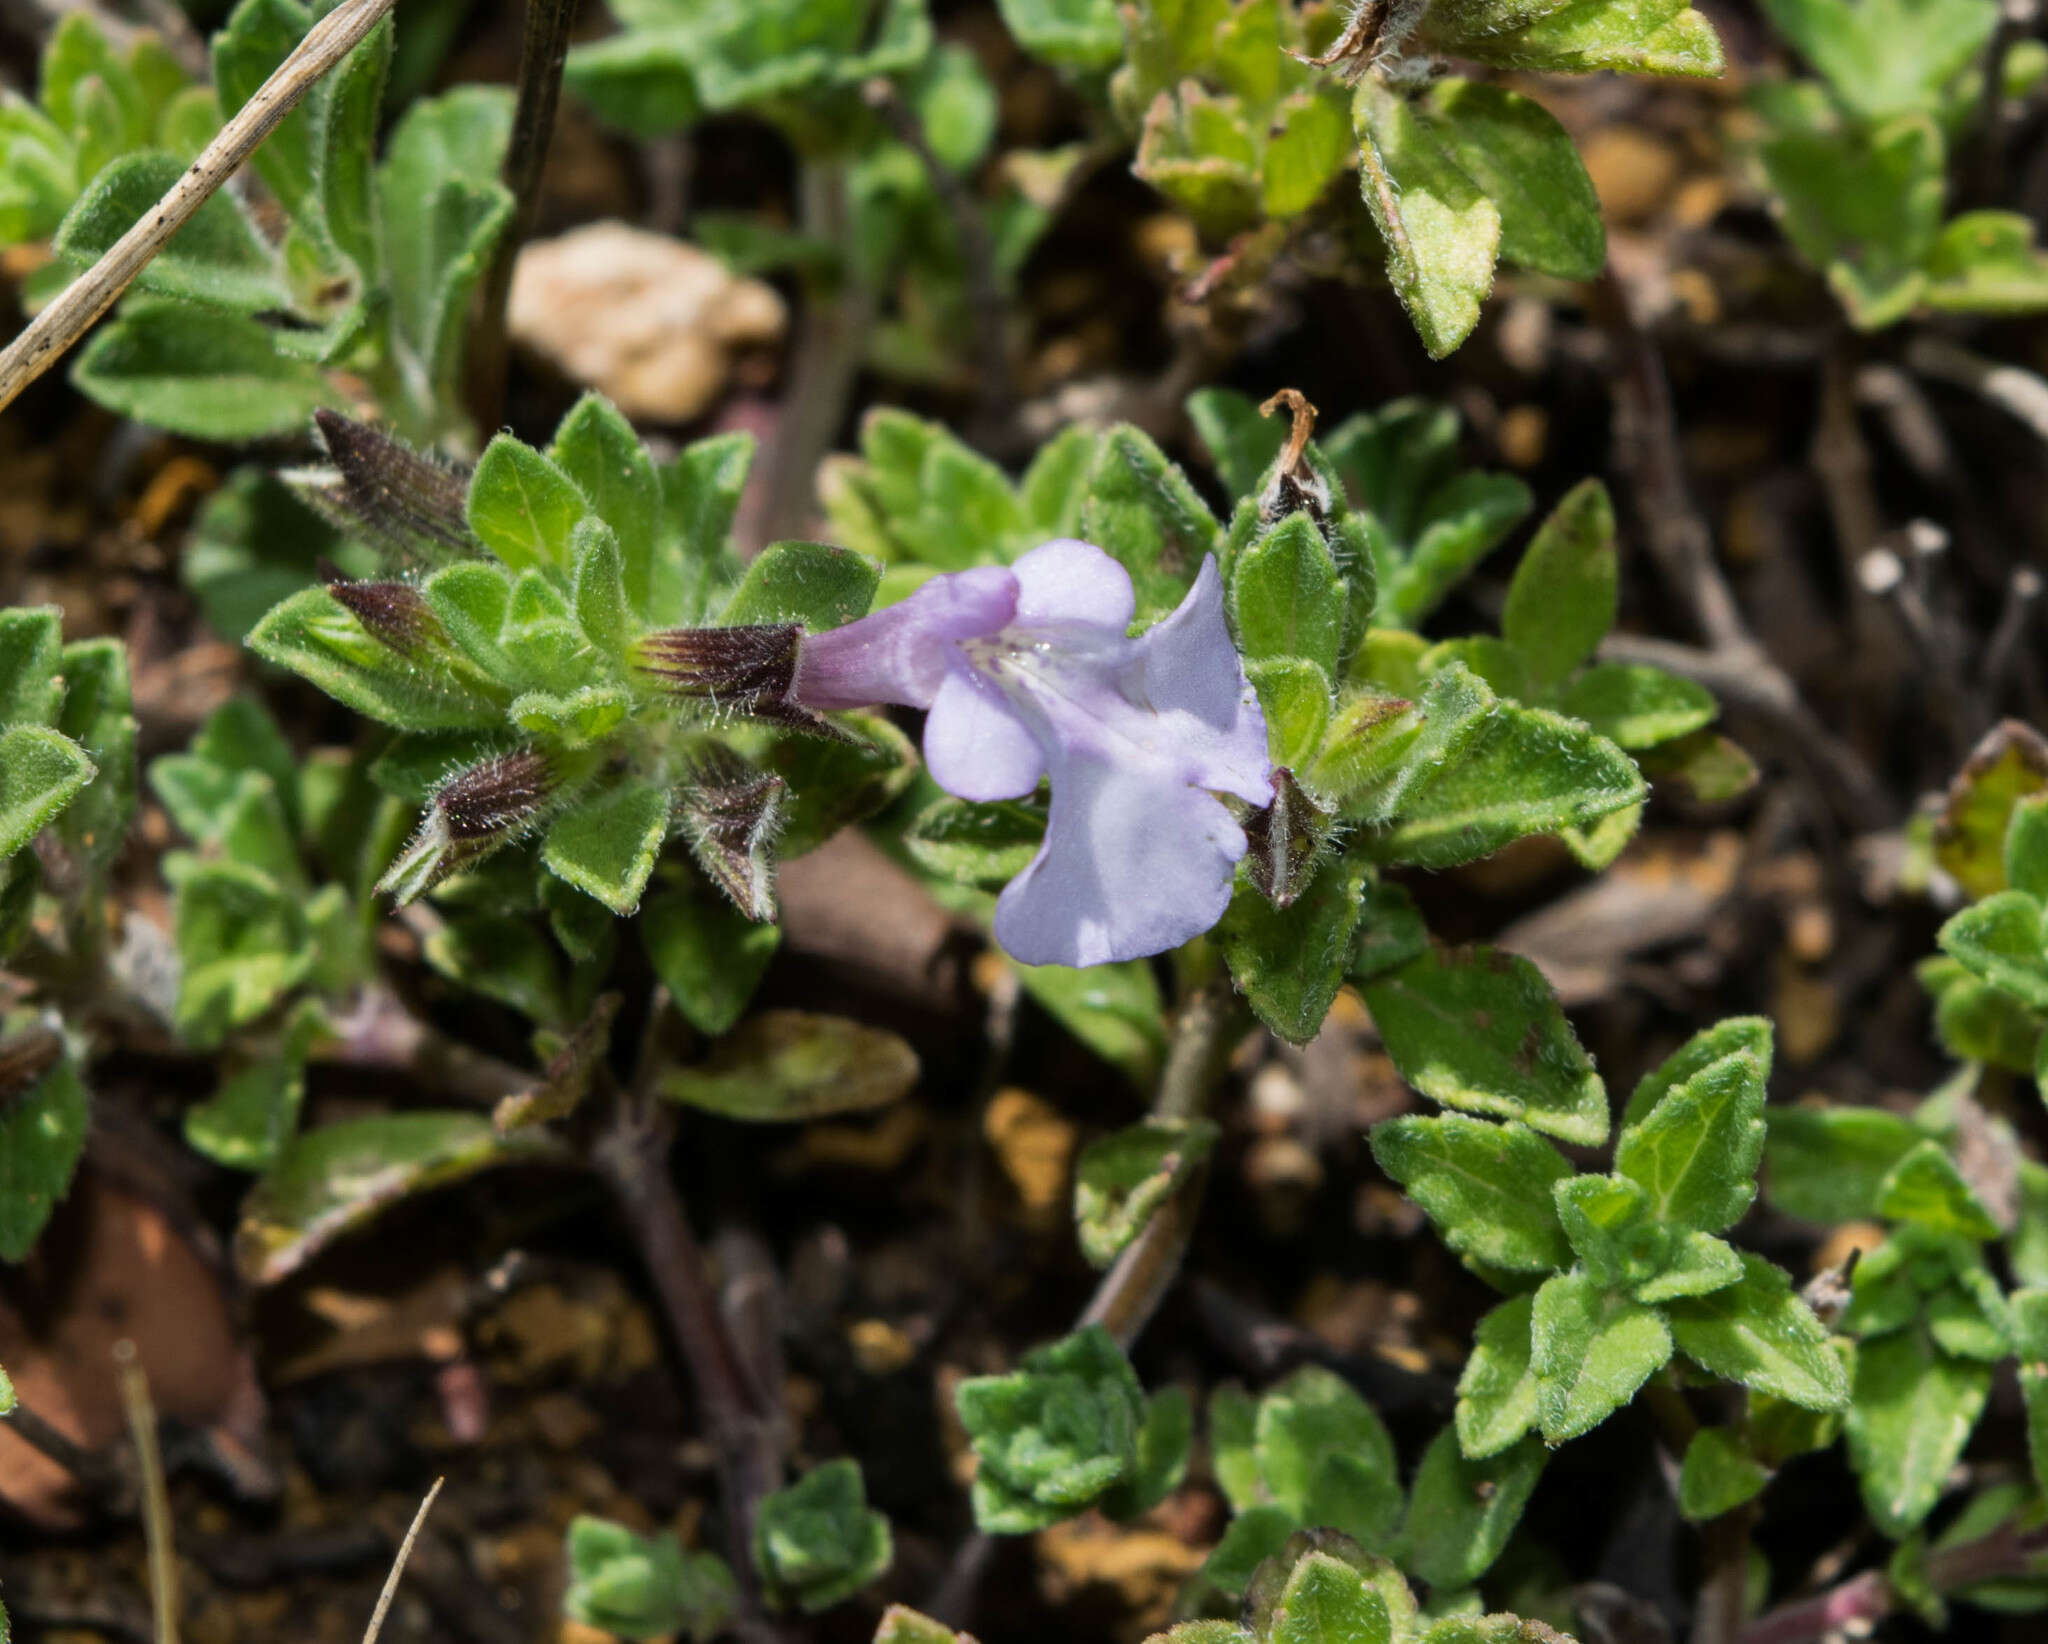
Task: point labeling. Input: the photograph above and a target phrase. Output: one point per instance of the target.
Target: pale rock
(648, 321)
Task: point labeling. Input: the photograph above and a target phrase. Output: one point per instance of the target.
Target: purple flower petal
(975, 746)
(1069, 581)
(902, 654)
(1188, 671)
(1131, 865)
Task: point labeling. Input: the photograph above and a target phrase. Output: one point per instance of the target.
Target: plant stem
(1203, 1037)
(826, 360)
(542, 52)
(71, 313)
(630, 1154)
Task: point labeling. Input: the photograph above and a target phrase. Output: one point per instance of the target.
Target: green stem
(542, 52)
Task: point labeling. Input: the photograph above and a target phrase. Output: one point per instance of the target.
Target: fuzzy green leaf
(217, 257)
(1562, 599)
(41, 771)
(42, 1135)
(523, 507)
(1286, 599)
(315, 637)
(257, 37)
(816, 1541)
(1497, 1390)
(1115, 1010)
(1885, 57)
(602, 456)
(1289, 962)
(1696, 1151)
(1637, 706)
(1926, 1188)
(1122, 1178)
(1316, 1441)
(1083, 35)
(2030, 1344)
(708, 954)
(98, 716)
(1986, 262)
(1326, 1601)
(1481, 1030)
(1759, 1333)
(986, 845)
(2002, 940)
(1442, 233)
(1526, 164)
(1461, 1511)
(606, 845)
(1718, 1475)
(201, 372)
(1141, 509)
(1590, 1351)
(345, 136)
(1912, 1411)
(1486, 1186)
(644, 1587)
(803, 582)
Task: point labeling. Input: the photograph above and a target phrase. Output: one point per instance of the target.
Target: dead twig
(156, 1497)
(2013, 389)
(71, 313)
(390, 1589)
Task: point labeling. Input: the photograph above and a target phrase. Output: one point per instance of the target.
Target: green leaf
(502, 957)
(1497, 1390)
(580, 719)
(1687, 1264)
(1115, 1010)
(1310, 145)
(1910, 1415)
(1696, 1151)
(786, 1065)
(1487, 1187)
(644, 1587)
(1757, 1332)
(257, 37)
(2026, 846)
(217, 257)
(1233, 1414)
(98, 716)
(709, 955)
(41, 771)
(1481, 1030)
(1286, 598)
(1312, 1421)
(1986, 262)
(1289, 962)
(1442, 233)
(1925, 1187)
(1562, 599)
(42, 1135)
(1164, 1437)
(1053, 1435)
(1637, 706)
(1718, 1475)
(598, 590)
(803, 582)
(315, 637)
(955, 106)
(2010, 763)
(1241, 443)
(1295, 696)
(1864, 207)
(242, 941)
(1127, 1175)
(1590, 1352)
(603, 458)
(606, 845)
(1459, 524)
(201, 372)
(2030, 1344)
(345, 138)
(2002, 940)
(1607, 1219)
(1462, 1511)
(816, 1541)
(31, 646)
(1828, 1164)
(1885, 57)
(1524, 163)
(523, 507)
(1082, 35)
(1977, 1022)
(986, 845)
(1526, 771)
(1660, 37)
(330, 1181)
(1326, 1601)
(1142, 510)
(902, 1625)
(442, 210)
(247, 1121)
(7, 1403)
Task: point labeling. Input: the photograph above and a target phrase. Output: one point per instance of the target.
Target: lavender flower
(1027, 671)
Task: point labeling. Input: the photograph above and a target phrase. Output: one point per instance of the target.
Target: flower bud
(385, 490)
(1281, 840)
(471, 815)
(749, 669)
(731, 813)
